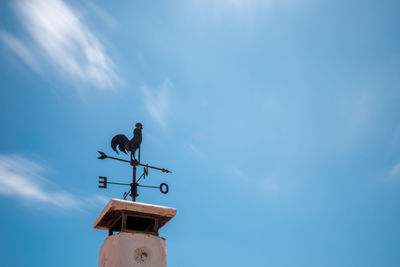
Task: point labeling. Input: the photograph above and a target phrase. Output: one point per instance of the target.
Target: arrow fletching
(102, 155)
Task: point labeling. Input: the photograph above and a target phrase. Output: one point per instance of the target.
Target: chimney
(133, 239)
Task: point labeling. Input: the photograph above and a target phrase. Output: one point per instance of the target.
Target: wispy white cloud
(60, 40)
(395, 171)
(236, 3)
(238, 173)
(22, 178)
(359, 112)
(269, 184)
(22, 51)
(239, 7)
(195, 151)
(102, 14)
(157, 102)
(266, 184)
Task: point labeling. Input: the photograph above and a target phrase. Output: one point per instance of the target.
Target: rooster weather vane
(125, 145)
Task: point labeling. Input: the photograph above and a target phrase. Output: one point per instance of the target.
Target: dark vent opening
(139, 224)
(135, 223)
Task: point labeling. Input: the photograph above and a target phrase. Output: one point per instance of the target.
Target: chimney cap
(116, 207)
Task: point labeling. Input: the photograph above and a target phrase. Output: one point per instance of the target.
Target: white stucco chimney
(137, 243)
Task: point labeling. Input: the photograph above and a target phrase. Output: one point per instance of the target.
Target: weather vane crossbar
(125, 145)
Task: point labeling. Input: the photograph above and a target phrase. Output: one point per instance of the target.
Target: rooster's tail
(119, 140)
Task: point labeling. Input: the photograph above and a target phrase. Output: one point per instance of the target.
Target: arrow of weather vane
(125, 145)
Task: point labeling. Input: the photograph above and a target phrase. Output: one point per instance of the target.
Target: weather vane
(125, 145)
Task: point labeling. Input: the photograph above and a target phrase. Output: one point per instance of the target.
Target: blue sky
(279, 119)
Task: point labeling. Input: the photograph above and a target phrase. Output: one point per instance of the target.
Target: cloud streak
(238, 174)
(195, 151)
(22, 51)
(58, 38)
(22, 178)
(266, 184)
(395, 171)
(106, 18)
(157, 102)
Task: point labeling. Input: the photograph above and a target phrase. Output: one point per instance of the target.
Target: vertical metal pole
(134, 187)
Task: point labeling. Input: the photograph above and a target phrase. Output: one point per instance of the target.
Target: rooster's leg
(133, 158)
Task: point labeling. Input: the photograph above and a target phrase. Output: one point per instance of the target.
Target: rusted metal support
(155, 226)
(123, 222)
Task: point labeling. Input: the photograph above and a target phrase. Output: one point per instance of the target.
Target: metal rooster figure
(125, 145)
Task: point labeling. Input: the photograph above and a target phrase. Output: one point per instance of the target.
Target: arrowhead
(102, 155)
(167, 171)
